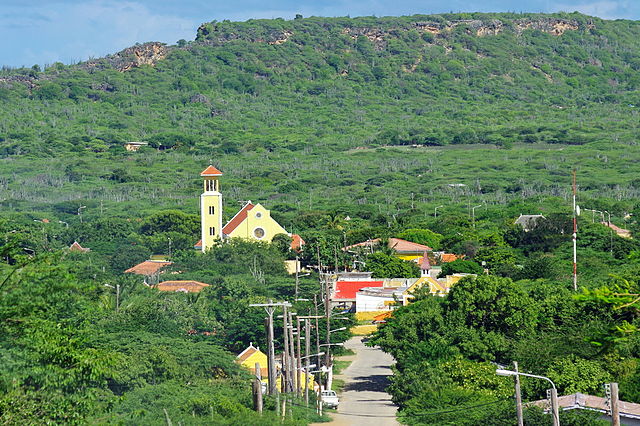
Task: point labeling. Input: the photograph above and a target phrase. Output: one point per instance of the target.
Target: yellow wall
(258, 217)
(409, 256)
(207, 199)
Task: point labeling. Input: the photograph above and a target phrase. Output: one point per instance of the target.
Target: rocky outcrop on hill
(132, 57)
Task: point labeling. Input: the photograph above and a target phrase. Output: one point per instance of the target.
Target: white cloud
(606, 9)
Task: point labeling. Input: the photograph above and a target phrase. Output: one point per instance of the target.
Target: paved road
(364, 401)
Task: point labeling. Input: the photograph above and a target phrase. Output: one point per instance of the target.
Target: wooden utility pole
(271, 356)
(292, 355)
(554, 407)
(297, 278)
(327, 306)
(307, 350)
(285, 352)
(298, 359)
(315, 304)
(516, 378)
(575, 235)
(257, 390)
(615, 405)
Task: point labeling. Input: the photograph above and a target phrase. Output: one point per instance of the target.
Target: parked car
(329, 399)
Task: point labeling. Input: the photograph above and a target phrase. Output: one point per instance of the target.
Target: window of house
(258, 233)
(258, 215)
(212, 210)
(212, 231)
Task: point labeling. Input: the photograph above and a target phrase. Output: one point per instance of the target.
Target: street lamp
(554, 390)
(435, 211)
(338, 329)
(473, 215)
(80, 213)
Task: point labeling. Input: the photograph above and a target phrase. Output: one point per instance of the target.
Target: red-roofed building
(182, 286)
(345, 291)
(403, 249)
(296, 242)
(78, 248)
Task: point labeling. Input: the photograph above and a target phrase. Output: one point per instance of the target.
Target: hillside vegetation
(289, 108)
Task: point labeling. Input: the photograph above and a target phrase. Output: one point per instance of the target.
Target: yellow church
(252, 222)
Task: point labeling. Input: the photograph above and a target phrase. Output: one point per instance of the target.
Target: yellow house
(252, 222)
(252, 354)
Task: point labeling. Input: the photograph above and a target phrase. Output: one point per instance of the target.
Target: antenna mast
(575, 235)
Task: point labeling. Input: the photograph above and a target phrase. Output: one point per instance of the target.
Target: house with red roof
(78, 248)
(405, 250)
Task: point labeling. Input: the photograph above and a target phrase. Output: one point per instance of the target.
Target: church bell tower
(211, 208)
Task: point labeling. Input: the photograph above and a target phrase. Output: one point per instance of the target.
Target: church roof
(237, 219)
(211, 171)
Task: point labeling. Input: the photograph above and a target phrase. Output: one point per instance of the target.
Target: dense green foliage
(75, 351)
(348, 130)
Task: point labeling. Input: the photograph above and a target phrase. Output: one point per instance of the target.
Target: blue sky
(46, 31)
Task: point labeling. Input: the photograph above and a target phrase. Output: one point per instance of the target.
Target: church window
(258, 215)
(212, 231)
(258, 233)
(212, 210)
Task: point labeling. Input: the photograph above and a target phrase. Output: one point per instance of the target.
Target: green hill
(290, 109)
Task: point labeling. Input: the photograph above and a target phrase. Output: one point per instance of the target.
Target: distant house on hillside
(529, 221)
(78, 248)
(134, 146)
(403, 249)
(621, 232)
(182, 286)
(150, 269)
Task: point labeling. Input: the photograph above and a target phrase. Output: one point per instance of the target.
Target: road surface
(364, 401)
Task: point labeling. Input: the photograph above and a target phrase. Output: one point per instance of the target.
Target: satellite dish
(577, 210)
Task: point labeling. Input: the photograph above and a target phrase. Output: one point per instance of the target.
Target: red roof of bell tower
(211, 171)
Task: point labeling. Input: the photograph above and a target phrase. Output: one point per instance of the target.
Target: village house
(181, 286)
(78, 248)
(529, 221)
(150, 269)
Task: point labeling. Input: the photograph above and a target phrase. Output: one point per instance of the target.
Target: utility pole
(297, 278)
(315, 304)
(473, 215)
(298, 359)
(271, 356)
(575, 235)
(285, 353)
(292, 355)
(257, 389)
(554, 406)
(615, 405)
(327, 306)
(516, 378)
(307, 350)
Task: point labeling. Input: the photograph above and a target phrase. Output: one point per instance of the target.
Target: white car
(329, 399)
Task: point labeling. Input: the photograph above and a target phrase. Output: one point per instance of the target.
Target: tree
(460, 266)
(385, 266)
(422, 236)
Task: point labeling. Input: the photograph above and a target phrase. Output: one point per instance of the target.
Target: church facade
(252, 222)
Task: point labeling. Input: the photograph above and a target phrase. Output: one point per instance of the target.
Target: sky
(47, 31)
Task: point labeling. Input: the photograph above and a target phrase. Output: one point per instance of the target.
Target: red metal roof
(148, 267)
(186, 286)
(211, 171)
(237, 219)
(296, 242)
(348, 289)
